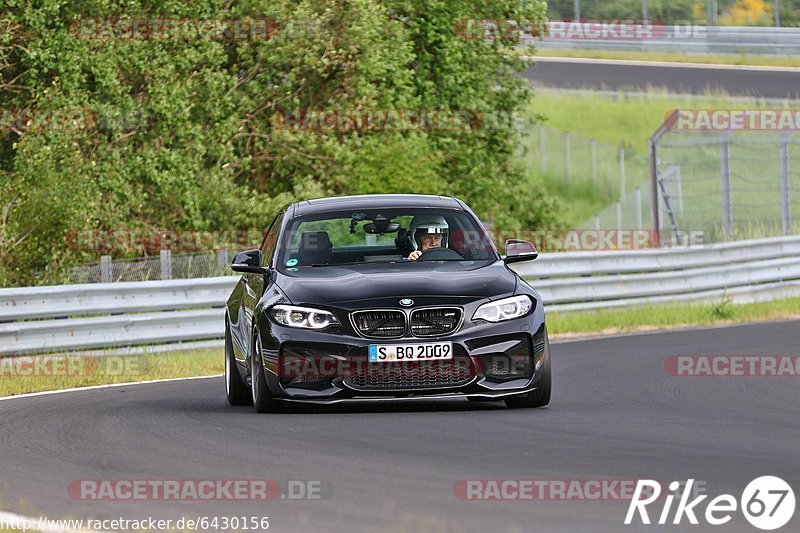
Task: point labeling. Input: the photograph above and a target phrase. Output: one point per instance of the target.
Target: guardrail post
(785, 205)
(567, 157)
(105, 269)
(594, 163)
(542, 156)
(166, 264)
(622, 173)
(727, 217)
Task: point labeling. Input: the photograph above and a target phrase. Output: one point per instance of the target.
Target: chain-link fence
(617, 174)
(728, 185)
(164, 266)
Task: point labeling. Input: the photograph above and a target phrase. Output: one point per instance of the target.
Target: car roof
(374, 201)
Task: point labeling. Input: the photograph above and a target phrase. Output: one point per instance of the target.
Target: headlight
(302, 317)
(504, 309)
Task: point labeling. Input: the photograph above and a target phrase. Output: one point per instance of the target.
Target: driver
(428, 231)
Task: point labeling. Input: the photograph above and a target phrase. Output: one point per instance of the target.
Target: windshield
(385, 236)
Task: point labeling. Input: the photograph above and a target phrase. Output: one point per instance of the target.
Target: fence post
(727, 218)
(594, 163)
(542, 156)
(785, 205)
(619, 223)
(166, 264)
(597, 222)
(105, 269)
(655, 197)
(639, 221)
(568, 157)
(622, 173)
(222, 260)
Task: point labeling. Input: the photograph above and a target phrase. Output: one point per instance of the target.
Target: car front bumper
(491, 361)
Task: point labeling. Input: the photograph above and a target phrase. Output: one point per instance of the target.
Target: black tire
(540, 396)
(261, 397)
(236, 389)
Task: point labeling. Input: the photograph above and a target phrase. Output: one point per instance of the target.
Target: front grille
(434, 322)
(380, 324)
(412, 375)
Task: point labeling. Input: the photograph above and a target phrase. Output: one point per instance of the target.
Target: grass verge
(648, 318)
(676, 57)
(622, 117)
(611, 119)
(52, 372)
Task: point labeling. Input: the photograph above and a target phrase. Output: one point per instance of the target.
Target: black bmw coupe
(383, 297)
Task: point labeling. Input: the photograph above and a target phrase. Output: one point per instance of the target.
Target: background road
(766, 82)
(615, 414)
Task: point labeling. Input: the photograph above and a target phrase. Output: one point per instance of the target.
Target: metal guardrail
(81, 317)
(686, 38)
(103, 298)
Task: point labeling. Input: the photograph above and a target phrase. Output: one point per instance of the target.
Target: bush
(188, 134)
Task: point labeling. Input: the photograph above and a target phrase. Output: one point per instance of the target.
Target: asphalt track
(616, 414)
(639, 76)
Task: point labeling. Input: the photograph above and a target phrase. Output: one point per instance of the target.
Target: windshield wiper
(351, 263)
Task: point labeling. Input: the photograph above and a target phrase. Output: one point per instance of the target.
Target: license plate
(438, 351)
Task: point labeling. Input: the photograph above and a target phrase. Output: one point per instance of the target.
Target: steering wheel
(440, 254)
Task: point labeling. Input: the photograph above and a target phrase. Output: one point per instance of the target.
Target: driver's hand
(413, 256)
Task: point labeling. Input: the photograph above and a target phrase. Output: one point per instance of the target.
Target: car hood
(427, 283)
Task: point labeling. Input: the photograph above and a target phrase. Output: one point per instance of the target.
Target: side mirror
(518, 250)
(248, 261)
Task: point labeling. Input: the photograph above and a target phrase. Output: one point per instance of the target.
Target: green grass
(628, 118)
(720, 59)
(668, 316)
(112, 369)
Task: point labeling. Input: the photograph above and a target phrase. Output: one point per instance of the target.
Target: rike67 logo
(767, 502)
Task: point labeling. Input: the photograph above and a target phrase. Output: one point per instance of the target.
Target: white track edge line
(109, 385)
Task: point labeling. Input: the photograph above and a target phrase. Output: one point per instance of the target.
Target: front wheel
(262, 399)
(235, 388)
(540, 396)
